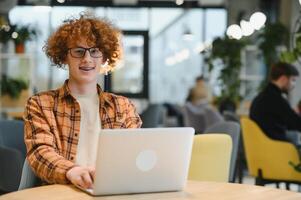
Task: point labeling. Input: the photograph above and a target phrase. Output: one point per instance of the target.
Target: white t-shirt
(90, 126)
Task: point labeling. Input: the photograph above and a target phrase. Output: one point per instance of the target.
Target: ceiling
(128, 3)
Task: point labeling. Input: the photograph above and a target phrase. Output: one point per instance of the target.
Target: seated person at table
(197, 111)
(62, 125)
(271, 109)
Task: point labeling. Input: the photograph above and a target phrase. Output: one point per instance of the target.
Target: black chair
(12, 154)
(153, 116)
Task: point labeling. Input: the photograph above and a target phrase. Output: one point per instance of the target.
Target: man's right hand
(81, 176)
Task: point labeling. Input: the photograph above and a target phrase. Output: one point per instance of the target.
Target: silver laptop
(142, 160)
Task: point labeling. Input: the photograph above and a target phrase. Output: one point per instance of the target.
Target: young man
(271, 109)
(62, 126)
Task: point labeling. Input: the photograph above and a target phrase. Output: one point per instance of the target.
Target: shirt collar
(104, 97)
(275, 87)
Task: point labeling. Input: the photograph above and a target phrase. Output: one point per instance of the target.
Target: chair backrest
(195, 120)
(152, 116)
(12, 135)
(12, 154)
(230, 116)
(269, 156)
(200, 117)
(255, 142)
(28, 179)
(232, 129)
(210, 159)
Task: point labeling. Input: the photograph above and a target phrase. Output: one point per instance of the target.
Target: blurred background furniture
(232, 129)
(28, 178)
(210, 159)
(174, 115)
(12, 154)
(267, 159)
(241, 163)
(153, 116)
(194, 119)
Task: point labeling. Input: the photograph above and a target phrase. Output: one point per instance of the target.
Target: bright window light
(42, 9)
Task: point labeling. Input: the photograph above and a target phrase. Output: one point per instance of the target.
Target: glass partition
(130, 76)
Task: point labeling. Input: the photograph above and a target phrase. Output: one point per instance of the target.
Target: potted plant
(294, 54)
(273, 36)
(228, 51)
(5, 33)
(13, 91)
(20, 35)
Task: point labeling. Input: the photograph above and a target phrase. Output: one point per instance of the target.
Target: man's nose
(87, 55)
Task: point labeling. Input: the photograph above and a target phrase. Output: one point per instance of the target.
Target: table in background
(194, 190)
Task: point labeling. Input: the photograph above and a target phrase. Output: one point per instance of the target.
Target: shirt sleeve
(42, 154)
(133, 119)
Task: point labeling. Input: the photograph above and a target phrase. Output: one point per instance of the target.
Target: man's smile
(86, 68)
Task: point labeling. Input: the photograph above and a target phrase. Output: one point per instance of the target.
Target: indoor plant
(12, 87)
(272, 36)
(5, 33)
(20, 35)
(294, 54)
(14, 92)
(228, 51)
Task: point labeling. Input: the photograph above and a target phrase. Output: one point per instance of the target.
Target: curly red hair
(99, 32)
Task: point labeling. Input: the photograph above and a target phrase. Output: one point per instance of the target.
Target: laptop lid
(142, 160)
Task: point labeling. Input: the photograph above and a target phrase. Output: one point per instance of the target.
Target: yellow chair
(210, 159)
(268, 159)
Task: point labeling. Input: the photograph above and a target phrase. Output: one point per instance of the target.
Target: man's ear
(283, 78)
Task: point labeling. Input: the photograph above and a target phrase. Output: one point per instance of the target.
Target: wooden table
(194, 190)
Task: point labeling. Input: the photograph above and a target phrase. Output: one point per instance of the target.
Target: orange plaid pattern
(52, 128)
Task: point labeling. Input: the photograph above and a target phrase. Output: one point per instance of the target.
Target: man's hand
(81, 176)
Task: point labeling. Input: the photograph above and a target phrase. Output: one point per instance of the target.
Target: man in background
(271, 109)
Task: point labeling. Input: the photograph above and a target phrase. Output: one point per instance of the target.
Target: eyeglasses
(80, 52)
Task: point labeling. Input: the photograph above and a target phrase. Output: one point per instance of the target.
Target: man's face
(289, 83)
(86, 68)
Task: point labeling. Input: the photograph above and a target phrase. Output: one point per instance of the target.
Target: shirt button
(77, 111)
(75, 134)
(72, 158)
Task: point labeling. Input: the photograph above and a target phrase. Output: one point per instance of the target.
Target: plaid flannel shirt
(52, 128)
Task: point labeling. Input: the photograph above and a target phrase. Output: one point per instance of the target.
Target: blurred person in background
(271, 109)
(197, 111)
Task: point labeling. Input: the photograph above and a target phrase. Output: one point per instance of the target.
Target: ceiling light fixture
(258, 20)
(246, 28)
(234, 31)
(180, 2)
(187, 34)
